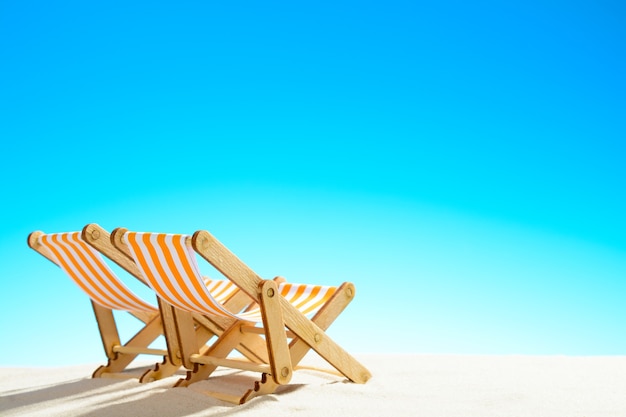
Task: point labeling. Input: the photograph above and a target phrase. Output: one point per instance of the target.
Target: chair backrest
(306, 297)
(169, 266)
(89, 271)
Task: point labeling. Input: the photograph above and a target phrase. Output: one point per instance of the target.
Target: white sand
(403, 385)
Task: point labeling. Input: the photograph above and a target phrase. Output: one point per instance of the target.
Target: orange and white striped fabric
(168, 263)
(87, 269)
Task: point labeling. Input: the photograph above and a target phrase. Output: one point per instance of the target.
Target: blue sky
(470, 154)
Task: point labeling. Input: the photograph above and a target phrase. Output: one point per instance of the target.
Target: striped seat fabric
(88, 270)
(168, 263)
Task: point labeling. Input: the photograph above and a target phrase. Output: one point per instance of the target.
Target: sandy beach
(402, 385)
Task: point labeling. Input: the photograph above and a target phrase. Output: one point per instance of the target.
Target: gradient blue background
(471, 155)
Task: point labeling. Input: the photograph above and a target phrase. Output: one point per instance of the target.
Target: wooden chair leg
(324, 318)
(275, 336)
(110, 338)
(311, 335)
(170, 332)
(119, 361)
(108, 329)
(187, 341)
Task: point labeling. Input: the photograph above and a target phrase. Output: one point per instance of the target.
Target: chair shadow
(193, 400)
(78, 388)
(106, 397)
(81, 389)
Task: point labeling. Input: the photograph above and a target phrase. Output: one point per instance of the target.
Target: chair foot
(111, 371)
(101, 369)
(265, 386)
(114, 365)
(159, 371)
(199, 373)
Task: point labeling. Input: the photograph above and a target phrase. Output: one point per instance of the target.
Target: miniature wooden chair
(107, 293)
(84, 265)
(168, 263)
(205, 327)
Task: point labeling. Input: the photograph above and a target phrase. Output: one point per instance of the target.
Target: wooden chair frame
(202, 328)
(119, 355)
(281, 322)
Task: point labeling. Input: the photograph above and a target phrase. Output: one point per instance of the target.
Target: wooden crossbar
(230, 363)
(139, 351)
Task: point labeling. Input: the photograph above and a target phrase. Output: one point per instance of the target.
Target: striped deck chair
(206, 328)
(84, 265)
(88, 270)
(292, 318)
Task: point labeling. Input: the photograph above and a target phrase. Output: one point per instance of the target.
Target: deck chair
(205, 328)
(108, 293)
(281, 315)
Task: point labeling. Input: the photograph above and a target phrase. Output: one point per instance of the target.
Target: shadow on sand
(114, 397)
